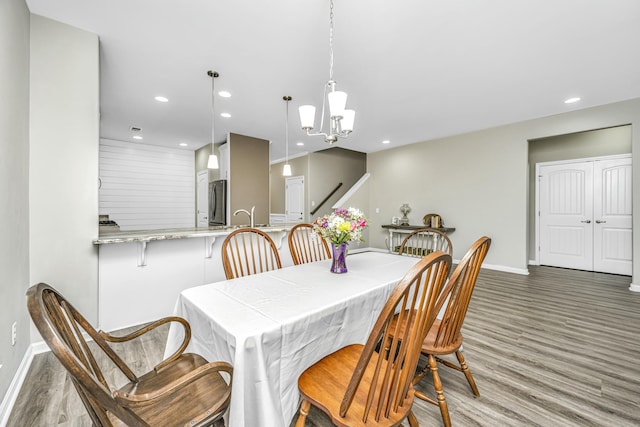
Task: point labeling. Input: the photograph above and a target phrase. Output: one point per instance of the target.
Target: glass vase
(339, 265)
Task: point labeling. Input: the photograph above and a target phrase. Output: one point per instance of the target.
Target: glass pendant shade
(286, 170)
(348, 118)
(337, 103)
(213, 162)
(307, 116)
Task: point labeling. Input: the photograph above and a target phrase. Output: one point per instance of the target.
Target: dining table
(273, 325)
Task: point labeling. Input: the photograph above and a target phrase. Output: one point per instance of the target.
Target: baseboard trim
(16, 384)
(634, 288)
(522, 271)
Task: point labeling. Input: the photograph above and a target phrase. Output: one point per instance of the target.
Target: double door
(585, 215)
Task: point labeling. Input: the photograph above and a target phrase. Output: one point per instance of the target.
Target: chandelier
(340, 120)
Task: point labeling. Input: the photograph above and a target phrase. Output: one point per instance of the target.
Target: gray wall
(63, 173)
(14, 185)
(329, 167)
(323, 170)
(249, 182)
(581, 145)
(299, 167)
(479, 181)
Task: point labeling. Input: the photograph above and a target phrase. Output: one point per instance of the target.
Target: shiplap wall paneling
(147, 187)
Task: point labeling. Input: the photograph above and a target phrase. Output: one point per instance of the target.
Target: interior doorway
(585, 214)
(294, 199)
(588, 144)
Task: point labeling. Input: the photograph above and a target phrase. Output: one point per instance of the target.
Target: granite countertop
(176, 233)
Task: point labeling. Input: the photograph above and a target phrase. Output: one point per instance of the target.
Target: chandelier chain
(331, 40)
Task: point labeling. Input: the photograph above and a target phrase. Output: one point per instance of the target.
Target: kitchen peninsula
(142, 272)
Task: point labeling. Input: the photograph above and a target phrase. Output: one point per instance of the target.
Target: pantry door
(294, 199)
(612, 239)
(585, 215)
(565, 209)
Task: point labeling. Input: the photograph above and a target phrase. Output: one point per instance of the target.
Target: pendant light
(340, 120)
(286, 170)
(213, 159)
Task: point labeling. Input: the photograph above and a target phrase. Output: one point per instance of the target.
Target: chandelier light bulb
(348, 117)
(307, 116)
(337, 103)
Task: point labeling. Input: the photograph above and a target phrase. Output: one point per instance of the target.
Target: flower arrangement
(342, 226)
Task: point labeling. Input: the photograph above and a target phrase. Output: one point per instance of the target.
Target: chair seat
(325, 384)
(197, 409)
(429, 347)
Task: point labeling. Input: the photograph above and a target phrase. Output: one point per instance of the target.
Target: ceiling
(414, 70)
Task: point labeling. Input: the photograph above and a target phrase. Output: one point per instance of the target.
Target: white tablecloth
(274, 325)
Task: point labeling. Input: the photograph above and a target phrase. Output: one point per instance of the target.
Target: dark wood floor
(555, 348)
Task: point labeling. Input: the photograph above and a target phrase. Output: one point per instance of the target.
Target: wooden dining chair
(306, 246)
(445, 336)
(248, 251)
(371, 384)
(184, 389)
(424, 241)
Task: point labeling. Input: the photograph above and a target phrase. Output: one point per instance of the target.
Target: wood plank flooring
(555, 348)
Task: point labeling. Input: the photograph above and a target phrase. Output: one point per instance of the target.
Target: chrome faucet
(251, 215)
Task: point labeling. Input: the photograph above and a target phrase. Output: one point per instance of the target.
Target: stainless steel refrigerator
(218, 202)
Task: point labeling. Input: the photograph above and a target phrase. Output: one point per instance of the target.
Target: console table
(397, 233)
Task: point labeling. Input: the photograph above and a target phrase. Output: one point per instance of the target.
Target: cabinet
(585, 214)
(397, 233)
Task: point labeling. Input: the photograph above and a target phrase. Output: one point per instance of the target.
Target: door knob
(586, 221)
(599, 221)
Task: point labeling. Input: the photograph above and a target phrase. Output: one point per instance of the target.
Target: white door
(612, 216)
(202, 198)
(585, 213)
(294, 199)
(566, 222)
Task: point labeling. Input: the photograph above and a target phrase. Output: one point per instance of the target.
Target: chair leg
(304, 411)
(413, 421)
(442, 401)
(420, 375)
(467, 373)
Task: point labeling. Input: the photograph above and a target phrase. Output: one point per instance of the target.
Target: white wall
(63, 175)
(14, 186)
(146, 187)
(478, 181)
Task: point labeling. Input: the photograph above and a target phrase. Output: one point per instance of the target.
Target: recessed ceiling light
(224, 94)
(137, 137)
(162, 99)
(386, 141)
(299, 144)
(226, 115)
(183, 144)
(572, 100)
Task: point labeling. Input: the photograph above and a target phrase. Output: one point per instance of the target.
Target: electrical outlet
(14, 333)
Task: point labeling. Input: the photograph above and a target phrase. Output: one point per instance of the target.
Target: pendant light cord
(286, 132)
(213, 110)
